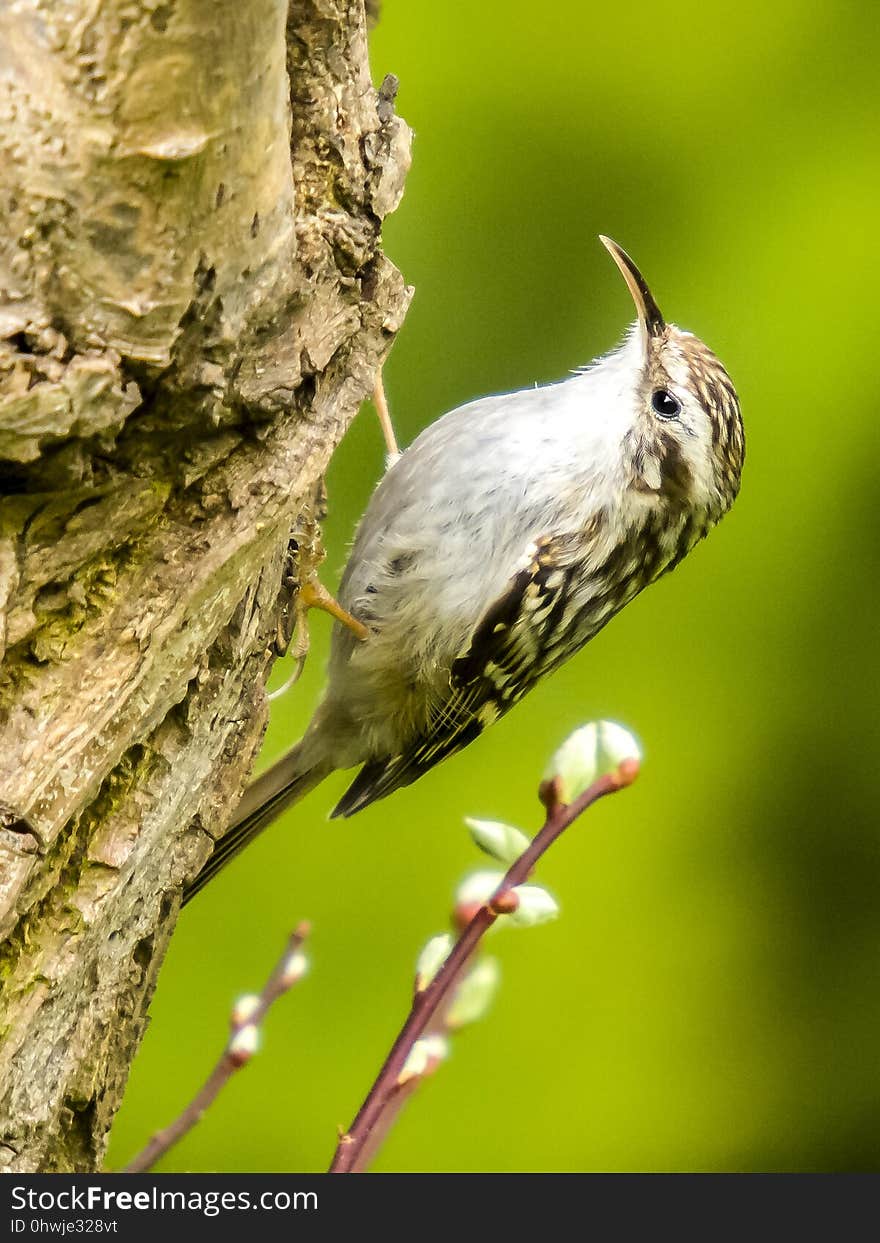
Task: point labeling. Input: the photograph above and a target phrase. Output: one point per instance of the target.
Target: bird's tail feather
(285, 783)
(376, 779)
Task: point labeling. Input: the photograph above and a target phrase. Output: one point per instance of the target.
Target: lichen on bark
(193, 304)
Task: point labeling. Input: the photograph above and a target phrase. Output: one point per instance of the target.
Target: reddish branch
(237, 1053)
(386, 1095)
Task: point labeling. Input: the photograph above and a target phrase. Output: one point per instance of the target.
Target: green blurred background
(710, 998)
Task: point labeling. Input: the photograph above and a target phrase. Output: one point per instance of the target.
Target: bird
(497, 545)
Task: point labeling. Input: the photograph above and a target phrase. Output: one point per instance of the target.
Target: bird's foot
(312, 595)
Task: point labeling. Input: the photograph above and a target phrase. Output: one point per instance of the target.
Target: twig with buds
(596, 760)
(244, 1037)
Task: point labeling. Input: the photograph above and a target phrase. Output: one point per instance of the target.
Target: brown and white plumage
(506, 536)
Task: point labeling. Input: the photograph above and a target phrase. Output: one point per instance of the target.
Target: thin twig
(238, 1052)
(380, 403)
(375, 1109)
(400, 1092)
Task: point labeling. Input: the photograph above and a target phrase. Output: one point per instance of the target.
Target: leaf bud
(593, 751)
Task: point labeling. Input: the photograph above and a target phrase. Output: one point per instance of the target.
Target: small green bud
(501, 841)
(244, 1044)
(536, 906)
(475, 994)
(424, 1056)
(431, 959)
(591, 752)
(244, 1008)
(477, 887)
(294, 968)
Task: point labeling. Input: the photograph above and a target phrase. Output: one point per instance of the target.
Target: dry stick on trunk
(383, 1102)
(193, 304)
(238, 1052)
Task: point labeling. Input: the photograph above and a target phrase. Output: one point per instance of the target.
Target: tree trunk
(193, 303)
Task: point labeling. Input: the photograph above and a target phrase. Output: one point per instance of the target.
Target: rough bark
(193, 303)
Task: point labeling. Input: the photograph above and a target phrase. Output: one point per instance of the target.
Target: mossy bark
(193, 303)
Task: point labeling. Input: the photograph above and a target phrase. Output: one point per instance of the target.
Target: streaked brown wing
(519, 638)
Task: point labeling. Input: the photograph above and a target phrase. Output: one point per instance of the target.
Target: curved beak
(651, 320)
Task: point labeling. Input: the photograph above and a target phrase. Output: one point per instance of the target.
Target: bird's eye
(664, 404)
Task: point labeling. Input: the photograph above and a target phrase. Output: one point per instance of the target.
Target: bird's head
(685, 441)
